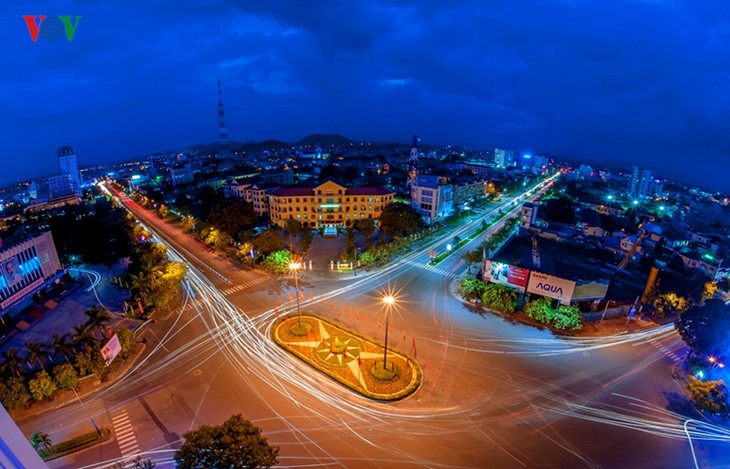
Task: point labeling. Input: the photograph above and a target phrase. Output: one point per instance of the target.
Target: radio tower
(413, 165)
(223, 150)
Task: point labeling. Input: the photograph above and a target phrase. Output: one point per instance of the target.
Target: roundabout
(351, 359)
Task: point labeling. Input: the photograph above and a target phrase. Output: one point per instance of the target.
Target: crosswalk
(243, 286)
(431, 268)
(124, 433)
(665, 350)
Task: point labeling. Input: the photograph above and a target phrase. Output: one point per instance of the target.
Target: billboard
(111, 350)
(552, 287)
(11, 272)
(505, 274)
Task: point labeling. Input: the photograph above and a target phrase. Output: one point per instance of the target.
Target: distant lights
(635, 202)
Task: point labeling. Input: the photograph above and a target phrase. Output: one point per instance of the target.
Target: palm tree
(98, 318)
(61, 347)
(37, 354)
(40, 441)
(83, 336)
(12, 363)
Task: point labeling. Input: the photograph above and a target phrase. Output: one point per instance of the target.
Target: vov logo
(51, 28)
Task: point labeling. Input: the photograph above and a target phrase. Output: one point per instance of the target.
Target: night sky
(620, 82)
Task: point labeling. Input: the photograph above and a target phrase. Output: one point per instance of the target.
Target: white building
(68, 165)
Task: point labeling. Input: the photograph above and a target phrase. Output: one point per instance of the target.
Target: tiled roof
(380, 190)
(292, 191)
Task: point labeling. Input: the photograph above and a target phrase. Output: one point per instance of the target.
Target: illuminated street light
(294, 267)
(389, 301)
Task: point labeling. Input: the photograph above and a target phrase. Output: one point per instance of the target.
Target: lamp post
(606, 308)
(93, 422)
(294, 267)
(389, 301)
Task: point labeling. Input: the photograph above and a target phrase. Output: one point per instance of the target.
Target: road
(494, 394)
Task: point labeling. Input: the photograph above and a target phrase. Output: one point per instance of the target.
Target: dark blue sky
(622, 81)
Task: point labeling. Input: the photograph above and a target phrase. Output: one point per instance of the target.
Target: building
(15, 449)
(24, 267)
(504, 158)
(252, 191)
(223, 143)
(644, 184)
(68, 165)
(60, 185)
(327, 205)
(181, 174)
(432, 196)
(528, 215)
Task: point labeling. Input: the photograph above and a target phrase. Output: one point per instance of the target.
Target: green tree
(90, 361)
(40, 441)
(567, 318)
(98, 320)
(367, 258)
(235, 443)
(15, 394)
(42, 386)
(292, 227)
(12, 364)
(187, 224)
(268, 241)
(499, 297)
(540, 310)
(126, 340)
(278, 262)
(472, 257)
(66, 376)
(399, 219)
(709, 396)
(472, 288)
(306, 241)
(348, 252)
(84, 337)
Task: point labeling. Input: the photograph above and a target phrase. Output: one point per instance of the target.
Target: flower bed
(351, 359)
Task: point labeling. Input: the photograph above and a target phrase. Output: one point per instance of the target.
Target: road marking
(431, 268)
(124, 433)
(243, 286)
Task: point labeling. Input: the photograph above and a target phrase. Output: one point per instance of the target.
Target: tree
(704, 328)
(42, 386)
(567, 318)
(126, 340)
(472, 288)
(268, 241)
(40, 441)
(84, 337)
(12, 364)
(306, 241)
(399, 219)
(292, 227)
(66, 376)
(348, 253)
(709, 396)
(60, 347)
(499, 297)
(235, 443)
(278, 261)
(14, 393)
(540, 310)
(366, 226)
(98, 320)
(667, 302)
(37, 355)
(708, 291)
(472, 257)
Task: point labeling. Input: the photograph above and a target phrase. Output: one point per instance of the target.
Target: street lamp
(606, 308)
(389, 301)
(294, 267)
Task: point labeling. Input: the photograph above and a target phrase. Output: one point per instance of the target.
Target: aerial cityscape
(365, 235)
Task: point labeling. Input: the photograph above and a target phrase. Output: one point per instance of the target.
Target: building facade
(432, 196)
(25, 267)
(257, 194)
(328, 204)
(504, 158)
(68, 164)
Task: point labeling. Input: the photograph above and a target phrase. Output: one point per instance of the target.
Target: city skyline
(595, 82)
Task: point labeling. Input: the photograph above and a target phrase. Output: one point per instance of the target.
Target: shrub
(42, 386)
(66, 376)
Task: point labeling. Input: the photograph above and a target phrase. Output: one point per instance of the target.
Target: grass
(75, 444)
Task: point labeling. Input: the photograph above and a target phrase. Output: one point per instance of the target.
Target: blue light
(700, 374)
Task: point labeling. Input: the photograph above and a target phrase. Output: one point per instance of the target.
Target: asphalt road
(494, 394)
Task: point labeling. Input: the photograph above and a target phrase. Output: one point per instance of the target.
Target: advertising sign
(505, 274)
(111, 350)
(552, 287)
(11, 272)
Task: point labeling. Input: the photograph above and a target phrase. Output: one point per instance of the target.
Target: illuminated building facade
(24, 267)
(328, 204)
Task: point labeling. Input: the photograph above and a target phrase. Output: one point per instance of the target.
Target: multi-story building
(644, 184)
(181, 174)
(256, 193)
(328, 204)
(24, 267)
(432, 196)
(504, 158)
(60, 185)
(68, 165)
(528, 215)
